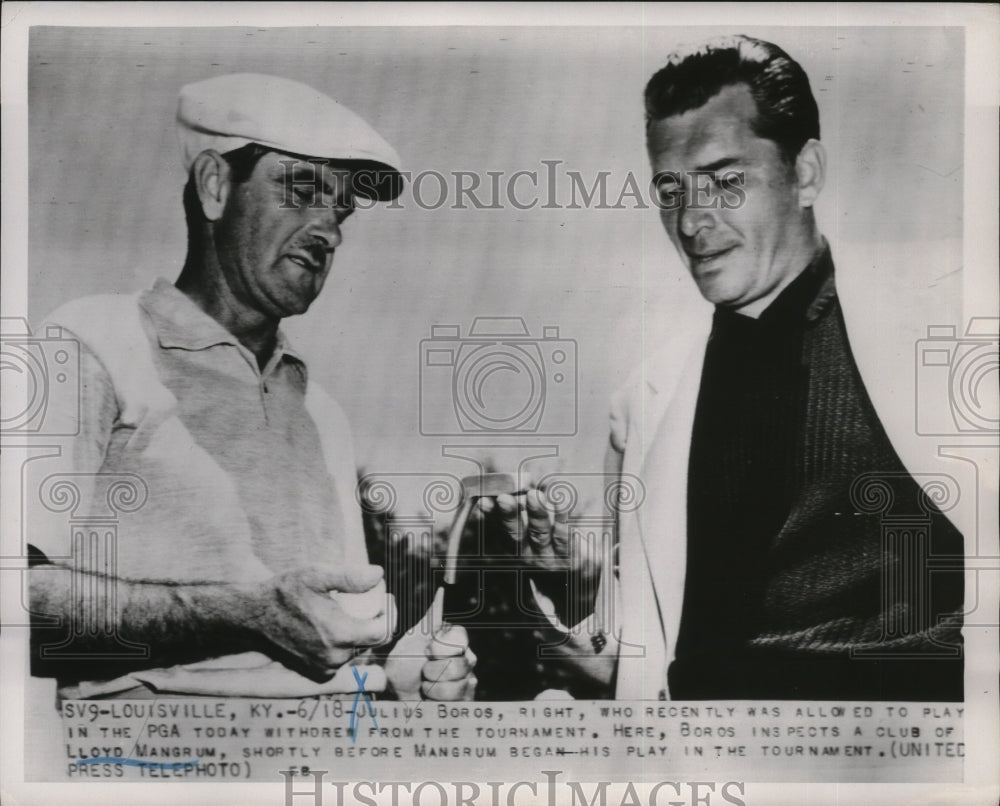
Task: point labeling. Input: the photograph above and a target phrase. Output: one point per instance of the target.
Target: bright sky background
(105, 176)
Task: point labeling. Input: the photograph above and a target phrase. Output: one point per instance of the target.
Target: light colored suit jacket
(889, 297)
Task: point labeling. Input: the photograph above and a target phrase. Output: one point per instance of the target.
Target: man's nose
(695, 215)
(326, 228)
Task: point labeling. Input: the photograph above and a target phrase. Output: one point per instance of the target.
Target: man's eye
(305, 193)
(670, 197)
(729, 180)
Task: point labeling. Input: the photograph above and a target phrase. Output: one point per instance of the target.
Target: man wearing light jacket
(772, 435)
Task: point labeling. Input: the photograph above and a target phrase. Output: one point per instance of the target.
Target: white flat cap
(230, 111)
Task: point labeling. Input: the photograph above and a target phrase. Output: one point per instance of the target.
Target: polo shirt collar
(180, 323)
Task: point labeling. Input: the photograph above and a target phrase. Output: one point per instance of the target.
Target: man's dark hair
(786, 109)
(241, 161)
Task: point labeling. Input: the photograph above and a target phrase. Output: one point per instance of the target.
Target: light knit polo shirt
(245, 473)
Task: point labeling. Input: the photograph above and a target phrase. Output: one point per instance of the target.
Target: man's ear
(810, 172)
(212, 181)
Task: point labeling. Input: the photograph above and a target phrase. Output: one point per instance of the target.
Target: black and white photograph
(441, 403)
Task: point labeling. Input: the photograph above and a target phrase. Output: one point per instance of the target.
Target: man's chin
(299, 307)
(714, 289)
(291, 304)
(296, 300)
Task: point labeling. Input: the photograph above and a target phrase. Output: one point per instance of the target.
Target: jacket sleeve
(588, 650)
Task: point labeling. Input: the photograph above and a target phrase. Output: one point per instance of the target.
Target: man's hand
(448, 672)
(296, 613)
(432, 666)
(539, 533)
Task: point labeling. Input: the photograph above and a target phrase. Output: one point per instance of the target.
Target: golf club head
(456, 598)
(490, 485)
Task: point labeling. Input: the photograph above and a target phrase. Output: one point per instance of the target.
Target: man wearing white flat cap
(242, 571)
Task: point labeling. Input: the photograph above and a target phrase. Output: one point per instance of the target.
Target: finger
(350, 632)
(373, 603)
(510, 517)
(450, 641)
(482, 508)
(447, 669)
(434, 618)
(560, 532)
(331, 660)
(378, 632)
(539, 522)
(349, 578)
(450, 691)
(559, 514)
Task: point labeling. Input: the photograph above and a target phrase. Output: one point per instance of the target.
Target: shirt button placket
(264, 391)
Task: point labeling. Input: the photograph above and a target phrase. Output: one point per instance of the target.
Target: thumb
(451, 640)
(415, 641)
(347, 579)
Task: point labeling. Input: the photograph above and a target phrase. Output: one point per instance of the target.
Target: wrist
(569, 597)
(230, 614)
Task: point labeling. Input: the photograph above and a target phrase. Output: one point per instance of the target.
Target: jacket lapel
(661, 418)
(886, 323)
(663, 519)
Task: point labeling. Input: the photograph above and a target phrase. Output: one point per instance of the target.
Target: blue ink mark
(353, 728)
(135, 762)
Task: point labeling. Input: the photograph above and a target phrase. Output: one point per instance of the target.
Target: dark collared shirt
(747, 425)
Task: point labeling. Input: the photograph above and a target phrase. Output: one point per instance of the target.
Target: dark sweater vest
(796, 586)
